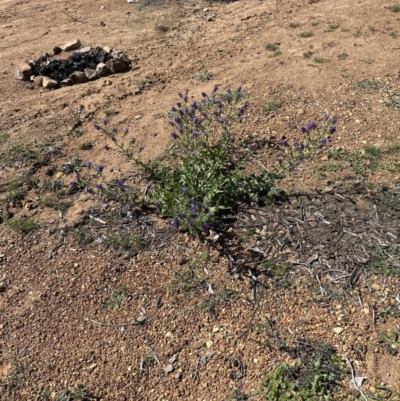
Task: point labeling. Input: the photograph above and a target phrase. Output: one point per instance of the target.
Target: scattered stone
(23, 72)
(67, 82)
(102, 69)
(107, 49)
(38, 80)
(73, 45)
(55, 50)
(117, 64)
(85, 49)
(141, 319)
(209, 343)
(102, 23)
(107, 82)
(138, 117)
(168, 369)
(49, 83)
(338, 330)
(78, 77)
(91, 74)
(210, 17)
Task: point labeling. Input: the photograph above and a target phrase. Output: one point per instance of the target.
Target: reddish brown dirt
(52, 289)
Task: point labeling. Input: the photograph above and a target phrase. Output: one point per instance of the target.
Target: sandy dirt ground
(340, 57)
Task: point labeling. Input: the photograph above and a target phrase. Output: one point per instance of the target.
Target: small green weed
(315, 23)
(110, 112)
(317, 378)
(186, 281)
(294, 25)
(272, 106)
(393, 102)
(86, 145)
(331, 167)
(79, 394)
(124, 239)
(392, 342)
(343, 56)
(333, 27)
(3, 137)
(115, 299)
(357, 34)
(367, 60)
(385, 262)
(84, 235)
(308, 54)
(75, 133)
(22, 225)
(276, 53)
(238, 395)
(307, 34)
(272, 47)
(17, 188)
(372, 28)
(320, 60)
(367, 84)
(394, 8)
(204, 76)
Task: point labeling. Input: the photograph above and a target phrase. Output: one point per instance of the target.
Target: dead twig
(354, 379)
(135, 323)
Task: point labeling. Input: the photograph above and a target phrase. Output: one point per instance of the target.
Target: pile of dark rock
(85, 64)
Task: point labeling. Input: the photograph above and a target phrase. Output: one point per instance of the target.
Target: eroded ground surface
(329, 250)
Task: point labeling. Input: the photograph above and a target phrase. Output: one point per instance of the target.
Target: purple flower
(173, 135)
(184, 190)
(179, 104)
(333, 129)
(141, 147)
(324, 141)
(203, 94)
(99, 168)
(228, 91)
(196, 134)
(180, 128)
(99, 186)
(303, 130)
(193, 209)
(69, 166)
(194, 105)
(175, 223)
(200, 204)
(115, 129)
(334, 120)
(88, 164)
(215, 88)
(73, 184)
(106, 147)
(311, 126)
(121, 183)
(113, 138)
(299, 145)
(301, 157)
(206, 229)
(126, 130)
(89, 190)
(133, 140)
(326, 116)
(280, 161)
(106, 120)
(96, 126)
(285, 142)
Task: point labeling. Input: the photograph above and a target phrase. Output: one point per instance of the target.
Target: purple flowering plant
(201, 174)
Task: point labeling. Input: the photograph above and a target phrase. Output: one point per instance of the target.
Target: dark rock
(91, 74)
(78, 77)
(23, 72)
(67, 82)
(117, 64)
(102, 69)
